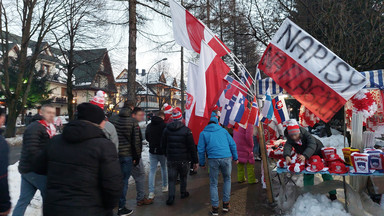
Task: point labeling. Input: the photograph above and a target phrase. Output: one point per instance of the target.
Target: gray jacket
(111, 134)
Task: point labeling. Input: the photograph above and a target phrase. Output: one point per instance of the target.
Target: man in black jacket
(179, 148)
(82, 167)
(130, 146)
(35, 138)
(5, 200)
(153, 135)
(306, 146)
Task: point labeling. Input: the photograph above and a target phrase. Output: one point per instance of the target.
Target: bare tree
(80, 17)
(37, 19)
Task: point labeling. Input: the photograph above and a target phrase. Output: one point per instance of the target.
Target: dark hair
(136, 110)
(160, 113)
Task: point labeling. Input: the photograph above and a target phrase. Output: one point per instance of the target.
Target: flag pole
(264, 157)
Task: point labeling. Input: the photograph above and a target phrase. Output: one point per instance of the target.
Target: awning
(375, 78)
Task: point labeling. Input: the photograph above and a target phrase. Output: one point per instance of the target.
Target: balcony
(59, 100)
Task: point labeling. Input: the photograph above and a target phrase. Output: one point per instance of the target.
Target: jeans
(223, 165)
(309, 179)
(126, 164)
(30, 182)
(176, 168)
(256, 147)
(154, 160)
(138, 173)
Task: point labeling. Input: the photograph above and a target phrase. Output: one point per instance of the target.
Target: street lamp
(146, 97)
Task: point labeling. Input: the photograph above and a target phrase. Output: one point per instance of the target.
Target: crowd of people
(85, 169)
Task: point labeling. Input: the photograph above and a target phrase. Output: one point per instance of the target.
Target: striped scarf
(51, 129)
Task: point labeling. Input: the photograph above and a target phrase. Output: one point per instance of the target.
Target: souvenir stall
(365, 159)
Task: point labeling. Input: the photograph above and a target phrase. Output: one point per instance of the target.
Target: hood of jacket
(78, 131)
(175, 125)
(36, 117)
(212, 127)
(125, 112)
(156, 120)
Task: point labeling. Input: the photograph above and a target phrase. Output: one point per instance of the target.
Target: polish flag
(195, 123)
(188, 31)
(211, 73)
(191, 91)
(309, 71)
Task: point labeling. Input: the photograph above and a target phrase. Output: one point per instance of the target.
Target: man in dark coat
(130, 146)
(35, 138)
(82, 168)
(179, 148)
(5, 200)
(306, 146)
(153, 135)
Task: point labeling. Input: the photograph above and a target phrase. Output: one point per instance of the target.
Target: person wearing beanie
(168, 113)
(218, 145)
(178, 145)
(99, 99)
(82, 168)
(306, 146)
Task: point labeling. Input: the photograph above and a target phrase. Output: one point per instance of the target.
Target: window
(45, 68)
(63, 92)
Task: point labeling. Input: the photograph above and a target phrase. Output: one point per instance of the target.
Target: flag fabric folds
(267, 111)
(280, 109)
(211, 74)
(191, 92)
(254, 114)
(189, 31)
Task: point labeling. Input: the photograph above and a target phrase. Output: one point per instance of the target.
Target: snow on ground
(336, 140)
(320, 205)
(17, 140)
(14, 178)
(35, 208)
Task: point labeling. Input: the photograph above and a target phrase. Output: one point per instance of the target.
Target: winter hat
(315, 159)
(281, 163)
(98, 100)
(167, 109)
(316, 167)
(297, 167)
(293, 127)
(327, 152)
(90, 112)
(338, 168)
(176, 115)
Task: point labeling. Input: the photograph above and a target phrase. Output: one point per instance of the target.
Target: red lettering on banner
(309, 90)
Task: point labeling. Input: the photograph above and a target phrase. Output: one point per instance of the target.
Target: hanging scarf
(50, 128)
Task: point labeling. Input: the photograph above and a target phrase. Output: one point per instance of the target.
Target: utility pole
(182, 75)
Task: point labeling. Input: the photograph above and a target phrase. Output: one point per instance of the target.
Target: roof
(87, 64)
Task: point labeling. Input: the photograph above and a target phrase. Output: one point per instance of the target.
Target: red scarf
(51, 130)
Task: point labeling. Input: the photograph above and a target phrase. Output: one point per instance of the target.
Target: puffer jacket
(83, 172)
(216, 142)
(178, 144)
(153, 135)
(244, 142)
(5, 200)
(310, 145)
(128, 131)
(34, 140)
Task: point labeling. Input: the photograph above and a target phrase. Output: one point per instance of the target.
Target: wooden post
(264, 158)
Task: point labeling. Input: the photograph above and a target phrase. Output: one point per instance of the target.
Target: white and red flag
(189, 31)
(211, 74)
(309, 71)
(195, 123)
